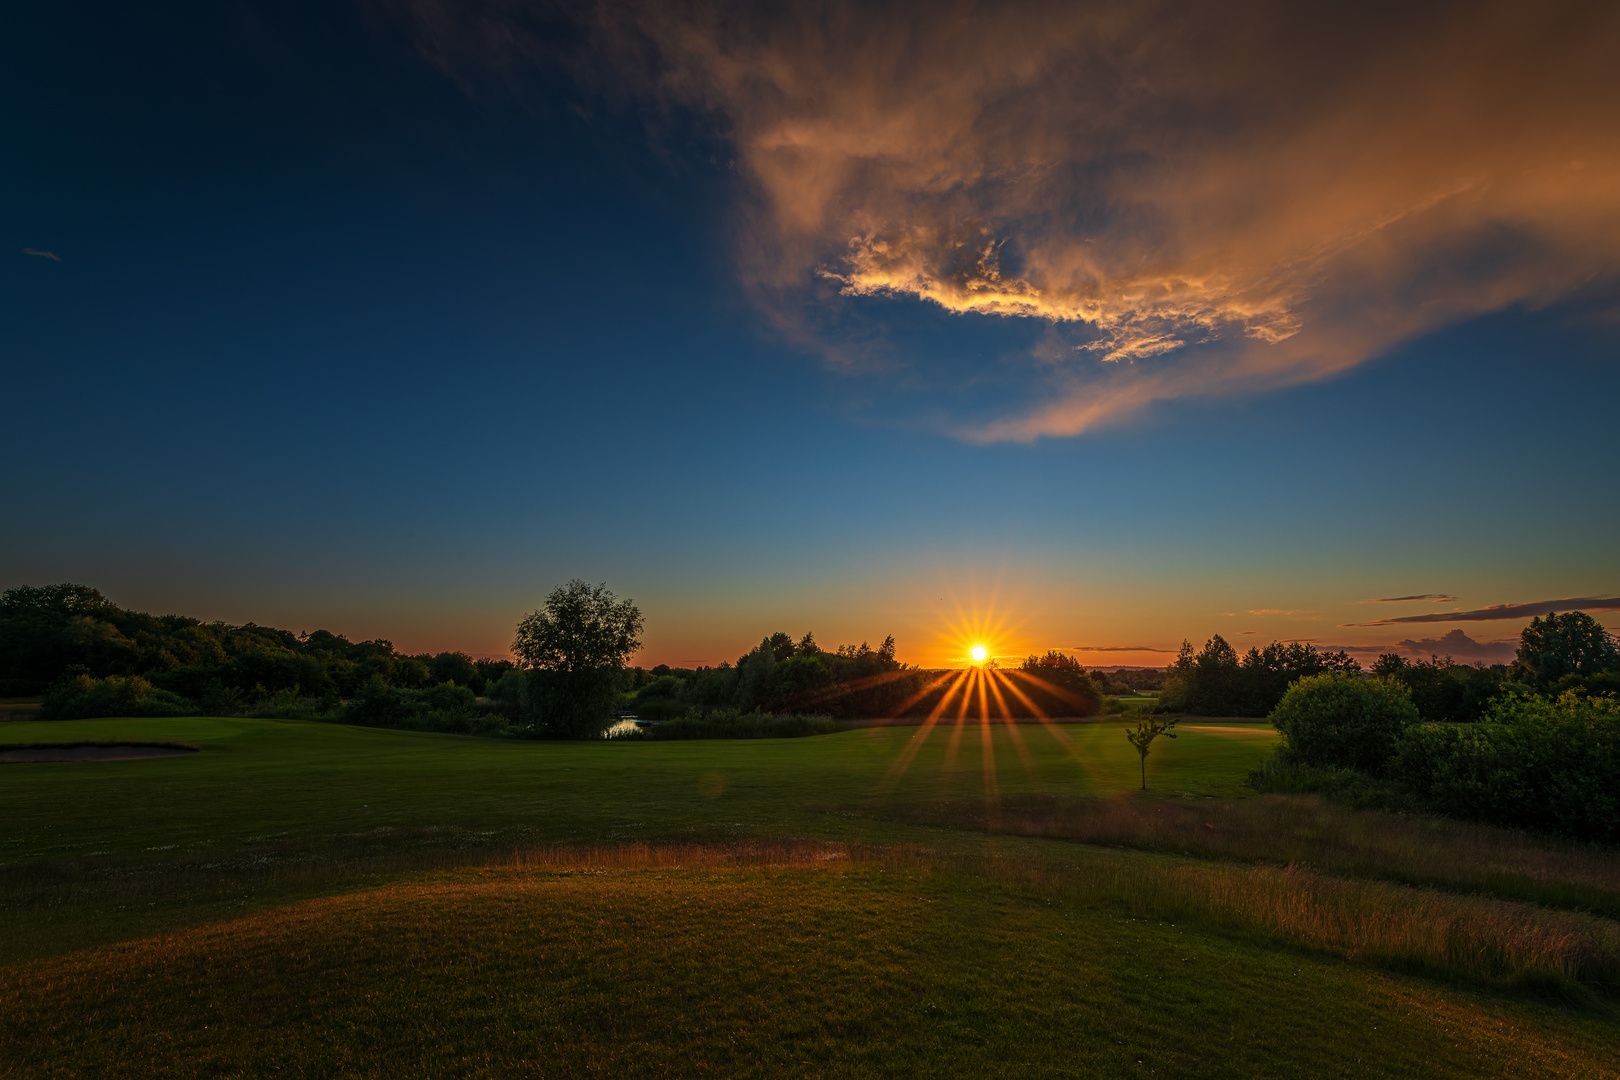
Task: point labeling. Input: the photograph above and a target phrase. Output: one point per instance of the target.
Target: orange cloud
(1210, 199)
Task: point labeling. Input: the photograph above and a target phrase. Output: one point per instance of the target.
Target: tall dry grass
(1301, 829)
(1500, 943)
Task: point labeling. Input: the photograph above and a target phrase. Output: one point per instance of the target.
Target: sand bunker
(123, 752)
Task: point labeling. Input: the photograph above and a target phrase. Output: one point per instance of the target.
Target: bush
(660, 700)
(83, 696)
(573, 704)
(1342, 721)
(448, 697)
(1535, 762)
(283, 705)
(508, 695)
(378, 705)
(445, 707)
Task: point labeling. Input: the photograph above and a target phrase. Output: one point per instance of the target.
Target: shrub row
(1551, 764)
(1536, 762)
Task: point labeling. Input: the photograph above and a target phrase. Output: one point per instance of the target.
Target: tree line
(1558, 653)
(90, 657)
(781, 675)
(569, 679)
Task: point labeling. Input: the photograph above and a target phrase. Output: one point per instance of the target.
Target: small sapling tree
(1147, 729)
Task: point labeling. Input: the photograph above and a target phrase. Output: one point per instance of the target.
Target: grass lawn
(318, 899)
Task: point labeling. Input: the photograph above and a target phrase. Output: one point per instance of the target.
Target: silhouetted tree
(574, 649)
(1572, 644)
(1215, 682)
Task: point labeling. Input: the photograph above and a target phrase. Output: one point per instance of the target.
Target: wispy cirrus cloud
(1505, 611)
(53, 256)
(1118, 648)
(1433, 598)
(1200, 200)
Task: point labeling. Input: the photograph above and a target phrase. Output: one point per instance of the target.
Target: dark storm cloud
(1207, 199)
(1506, 611)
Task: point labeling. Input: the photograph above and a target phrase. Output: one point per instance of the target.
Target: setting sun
(978, 653)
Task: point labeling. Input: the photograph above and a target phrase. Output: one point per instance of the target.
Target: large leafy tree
(575, 648)
(1558, 646)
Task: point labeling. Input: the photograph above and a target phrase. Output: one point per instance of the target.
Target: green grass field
(307, 899)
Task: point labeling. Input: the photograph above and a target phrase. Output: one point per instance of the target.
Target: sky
(1091, 327)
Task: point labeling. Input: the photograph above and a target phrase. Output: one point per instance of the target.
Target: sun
(978, 652)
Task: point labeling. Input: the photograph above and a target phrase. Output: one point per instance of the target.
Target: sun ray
(1024, 756)
(900, 709)
(1056, 691)
(829, 693)
(1058, 735)
(955, 743)
(987, 753)
(915, 743)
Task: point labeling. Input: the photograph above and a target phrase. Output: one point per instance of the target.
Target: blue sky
(334, 332)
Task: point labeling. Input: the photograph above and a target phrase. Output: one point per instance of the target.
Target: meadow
(312, 899)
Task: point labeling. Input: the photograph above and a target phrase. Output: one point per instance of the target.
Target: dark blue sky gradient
(335, 342)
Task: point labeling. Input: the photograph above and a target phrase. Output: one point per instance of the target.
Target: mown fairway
(306, 899)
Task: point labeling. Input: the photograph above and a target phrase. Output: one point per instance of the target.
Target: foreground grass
(634, 962)
(885, 900)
